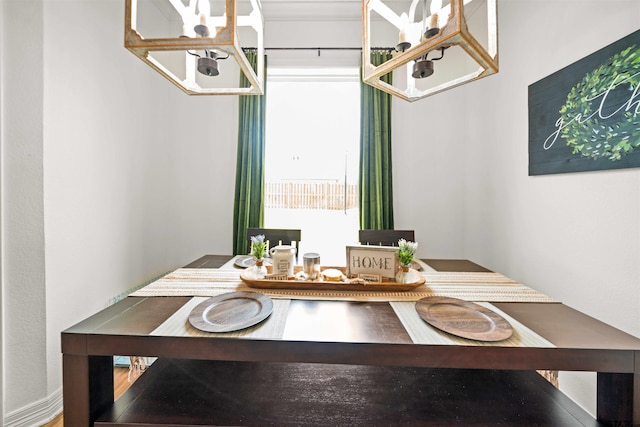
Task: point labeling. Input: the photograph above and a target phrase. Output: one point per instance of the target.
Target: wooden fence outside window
(330, 195)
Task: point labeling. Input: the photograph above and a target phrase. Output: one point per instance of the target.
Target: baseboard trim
(37, 413)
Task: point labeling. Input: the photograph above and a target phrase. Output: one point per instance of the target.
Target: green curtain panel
(375, 180)
(248, 206)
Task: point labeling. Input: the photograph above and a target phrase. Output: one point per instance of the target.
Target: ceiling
(275, 10)
(315, 10)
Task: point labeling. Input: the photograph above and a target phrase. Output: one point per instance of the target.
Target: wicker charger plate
(464, 319)
(231, 311)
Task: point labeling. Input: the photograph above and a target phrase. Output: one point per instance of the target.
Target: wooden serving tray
(248, 276)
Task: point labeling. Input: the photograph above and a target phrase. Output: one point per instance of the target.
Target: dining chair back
(277, 236)
(384, 237)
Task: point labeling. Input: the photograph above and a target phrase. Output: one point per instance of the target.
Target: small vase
(403, 276)
(260, 269)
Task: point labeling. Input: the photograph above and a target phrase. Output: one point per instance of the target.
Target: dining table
(345, 357)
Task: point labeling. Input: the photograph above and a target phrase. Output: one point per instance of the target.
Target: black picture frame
(586, 115)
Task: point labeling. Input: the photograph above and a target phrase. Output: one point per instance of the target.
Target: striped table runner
(476, 286)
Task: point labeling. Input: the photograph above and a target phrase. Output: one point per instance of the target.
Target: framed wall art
(586, 116)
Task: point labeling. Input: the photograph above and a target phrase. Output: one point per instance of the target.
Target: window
(312, 155)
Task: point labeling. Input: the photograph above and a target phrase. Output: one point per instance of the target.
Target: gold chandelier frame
(225, 40)
(454, 33)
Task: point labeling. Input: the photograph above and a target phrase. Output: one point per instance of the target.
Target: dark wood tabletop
(327, 340)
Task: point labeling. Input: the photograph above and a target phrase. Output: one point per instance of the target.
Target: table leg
(636, 390)
(87, 384)
(616, 402)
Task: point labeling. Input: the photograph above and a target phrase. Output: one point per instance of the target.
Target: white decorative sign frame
(379, 260)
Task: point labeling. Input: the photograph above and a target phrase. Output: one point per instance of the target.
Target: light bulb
(404, 21)
(204, 10)
(436, 5)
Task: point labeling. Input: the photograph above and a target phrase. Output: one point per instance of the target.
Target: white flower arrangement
(406, 251)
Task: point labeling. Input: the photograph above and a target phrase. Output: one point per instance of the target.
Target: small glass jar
(403, 275)
(311, 265)
(260, 269)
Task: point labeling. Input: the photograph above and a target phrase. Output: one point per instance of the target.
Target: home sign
(372, 260)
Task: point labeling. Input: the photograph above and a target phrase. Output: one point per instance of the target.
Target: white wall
(1, 220)
(1, 216)
(24, 316)
(573, 236)
(112, 176)
(136, 172)
(429, 143)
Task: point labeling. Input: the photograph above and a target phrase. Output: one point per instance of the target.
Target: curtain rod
(324, 48)
(390, 49)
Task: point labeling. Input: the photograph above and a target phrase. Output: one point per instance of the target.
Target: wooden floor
(120, 385)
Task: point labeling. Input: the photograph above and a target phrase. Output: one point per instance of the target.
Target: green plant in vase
(406, 253)
(258, 250)
(258, 247)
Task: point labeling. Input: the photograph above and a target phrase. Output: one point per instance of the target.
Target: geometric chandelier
(439, 44)
(199, 45)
